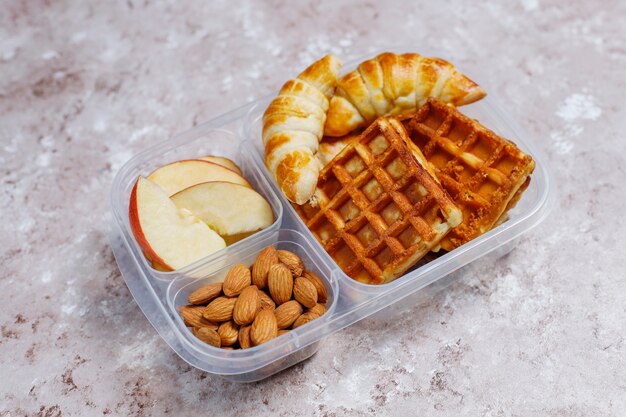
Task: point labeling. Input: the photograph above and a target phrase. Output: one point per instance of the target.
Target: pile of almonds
(255, 305)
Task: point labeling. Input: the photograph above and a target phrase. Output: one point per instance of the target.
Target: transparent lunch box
(236, 135)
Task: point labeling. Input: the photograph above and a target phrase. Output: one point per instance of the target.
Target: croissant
(293, 125)
(391, 84)
(328, 149)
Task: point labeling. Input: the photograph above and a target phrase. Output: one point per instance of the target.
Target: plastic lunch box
(236, 135)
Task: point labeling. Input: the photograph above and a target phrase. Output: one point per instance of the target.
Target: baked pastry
(392, 84)
(377, 209)
(514, 200)
(330, 147)
(484, 173)
(293, 125)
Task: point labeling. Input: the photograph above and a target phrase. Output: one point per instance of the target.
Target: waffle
(377, 210)
(484, 173)
(330, 147)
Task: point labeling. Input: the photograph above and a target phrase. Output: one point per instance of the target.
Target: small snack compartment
(256, 362)
(196, 143)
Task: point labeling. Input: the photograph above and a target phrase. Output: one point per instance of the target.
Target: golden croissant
(330, 147)
(293, 125)
(392, 84)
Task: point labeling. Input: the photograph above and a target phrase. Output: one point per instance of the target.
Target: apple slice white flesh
(229, 208)
(179, 175)
(170, 238)
(225, 162)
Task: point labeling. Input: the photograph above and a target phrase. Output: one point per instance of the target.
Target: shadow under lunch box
(237, 135)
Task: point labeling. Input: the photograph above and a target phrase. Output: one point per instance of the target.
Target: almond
(236, 280)
(244, 337)
(322, 292)
(192, 316)
(280, 283)
(228, 348)
(287, 313)
(282, 332)
(220, 309)
(293, 262)
(261, 266)
(266, 300)
(208, 336)
(304, 291)
(264, 327)
(205, 294)
(247, 305)
(318, 309)
(229, 333)
(304, 319)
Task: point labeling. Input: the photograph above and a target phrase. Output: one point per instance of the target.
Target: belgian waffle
(330, 147)
(484, 173)
(377, 210)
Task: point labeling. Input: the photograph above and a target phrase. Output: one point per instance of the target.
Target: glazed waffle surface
(484, 173)
(377, 210)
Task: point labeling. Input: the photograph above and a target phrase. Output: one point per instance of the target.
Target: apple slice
(179, 175)
(231, 239)
(225, 162)
(170, 238)
(230, 209)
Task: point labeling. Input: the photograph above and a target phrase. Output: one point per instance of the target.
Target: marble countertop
(85, 85)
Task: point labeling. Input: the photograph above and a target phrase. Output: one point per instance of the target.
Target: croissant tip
(332, 57)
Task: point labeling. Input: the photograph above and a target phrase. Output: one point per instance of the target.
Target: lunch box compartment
(237, 135)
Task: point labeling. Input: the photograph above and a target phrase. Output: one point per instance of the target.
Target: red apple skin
(135, 227)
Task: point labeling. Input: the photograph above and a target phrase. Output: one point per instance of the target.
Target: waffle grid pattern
(378, 210)
(481, 171)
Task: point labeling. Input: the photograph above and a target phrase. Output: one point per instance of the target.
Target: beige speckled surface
(85, 85)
